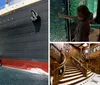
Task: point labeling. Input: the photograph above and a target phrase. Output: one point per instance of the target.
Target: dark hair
(84, 10)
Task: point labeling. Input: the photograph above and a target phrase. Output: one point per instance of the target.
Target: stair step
(83, 79)
(88, 71)
(71, 78)
(75, 80)
(75, 74)
(71, 68)
(71, 72)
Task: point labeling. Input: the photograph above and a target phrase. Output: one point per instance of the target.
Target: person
(84, 18)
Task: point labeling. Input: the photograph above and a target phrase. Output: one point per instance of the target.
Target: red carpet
(24, 64)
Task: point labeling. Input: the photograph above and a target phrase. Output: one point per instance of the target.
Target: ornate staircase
(73, 76)
(70, 71)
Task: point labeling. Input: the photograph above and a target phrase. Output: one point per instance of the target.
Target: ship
(24, 34)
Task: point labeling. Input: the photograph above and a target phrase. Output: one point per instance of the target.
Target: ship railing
(11, 7)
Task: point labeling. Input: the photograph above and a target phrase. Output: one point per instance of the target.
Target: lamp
(85, 45)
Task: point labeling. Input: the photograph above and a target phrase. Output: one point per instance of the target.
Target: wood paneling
(73, 51)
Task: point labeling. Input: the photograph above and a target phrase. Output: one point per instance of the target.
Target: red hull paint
(24, 64)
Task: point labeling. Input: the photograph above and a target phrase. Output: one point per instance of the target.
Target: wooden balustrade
(58, 68)
(79, 65)
(55, 74)
(93, 52)
(58, 71)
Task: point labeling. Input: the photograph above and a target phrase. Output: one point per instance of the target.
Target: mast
(6, 3)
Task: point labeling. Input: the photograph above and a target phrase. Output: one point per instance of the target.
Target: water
(10, 76)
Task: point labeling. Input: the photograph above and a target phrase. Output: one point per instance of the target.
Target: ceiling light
(86, 51)
(85, 45)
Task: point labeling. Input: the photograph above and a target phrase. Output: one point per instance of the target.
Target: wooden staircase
(69, 71)
(73, 76)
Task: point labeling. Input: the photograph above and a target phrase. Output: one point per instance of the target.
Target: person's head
(83, 12)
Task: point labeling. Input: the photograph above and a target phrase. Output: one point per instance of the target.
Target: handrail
(58, 67)
(80, 59)
(56, 71)
(93, 48)
(64, 60)
(80, 66)
(83, 61)
(93, 52)
(79, 63)
(61, 65)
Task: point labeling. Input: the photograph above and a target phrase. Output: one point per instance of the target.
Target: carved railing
(93, 52)
(58, 68)
(80, 65)
(58, 72)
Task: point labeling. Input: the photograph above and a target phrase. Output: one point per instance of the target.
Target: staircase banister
(80, 66)
(63, 61)
(56, 72)
(85, 67)
(61, 65)
(80, 63)
(76, 60)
